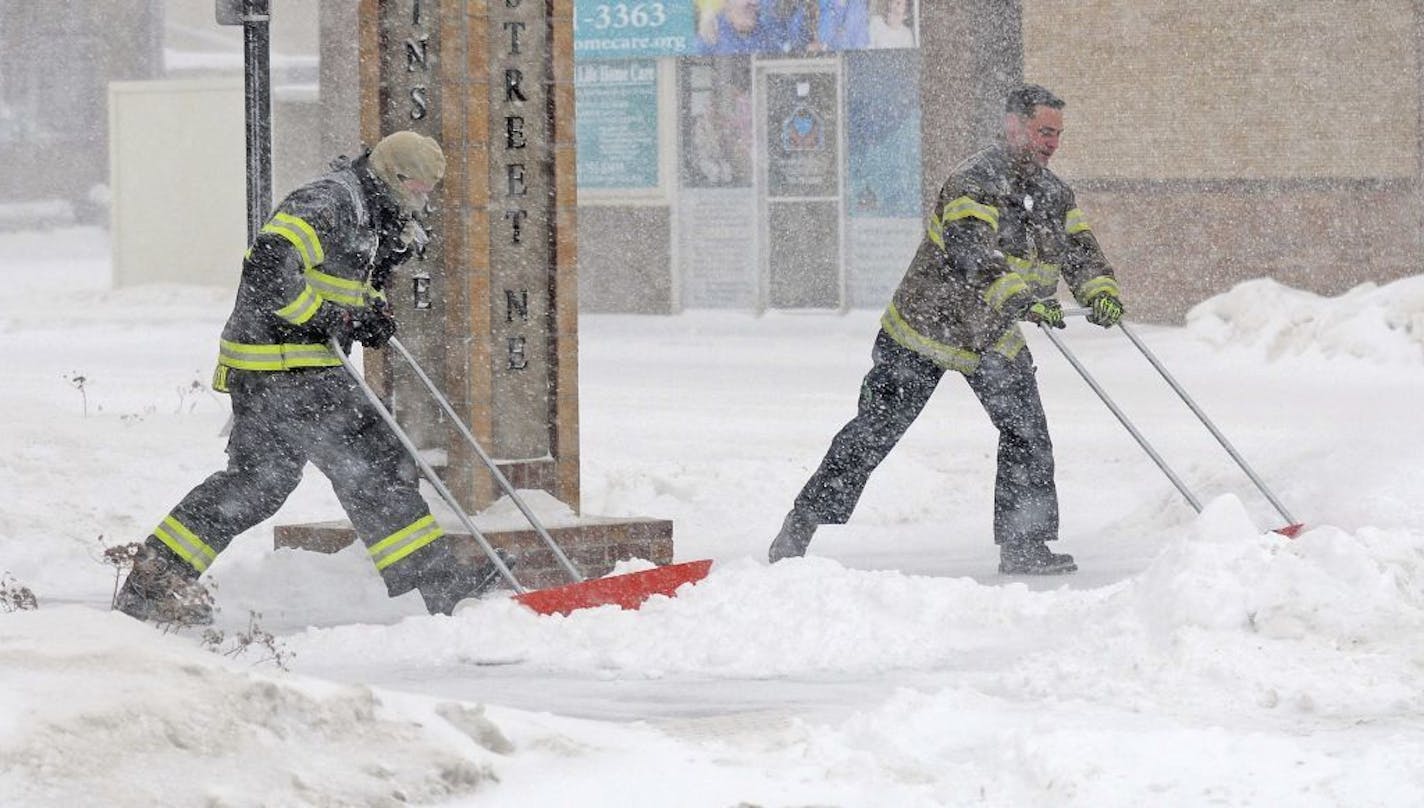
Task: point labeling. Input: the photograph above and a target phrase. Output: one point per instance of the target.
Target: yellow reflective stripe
(185, 543)
(935, 231)
(244, 356)
(1035, 273)
(1003, 288)
(1010, 343)
(295, 239)
(1075, 222)
(946, 356)
(966, 208)
(405, 541)
(303, 307)
(308, 234)
(1093, 287)
(300, 234)
(220, 378)
(337, 289)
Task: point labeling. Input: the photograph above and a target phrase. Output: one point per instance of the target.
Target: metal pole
(256, 55)
(1216, 433)
(254, 16)
(426, 469)
(489, 463)
(1102, 394)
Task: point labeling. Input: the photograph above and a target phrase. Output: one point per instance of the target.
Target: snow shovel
(1291, 529)
(627, 591)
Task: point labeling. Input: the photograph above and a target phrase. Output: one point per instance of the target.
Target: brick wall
(1213, 141)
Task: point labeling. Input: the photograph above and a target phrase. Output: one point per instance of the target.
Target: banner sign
(617, 124)
(618, 30)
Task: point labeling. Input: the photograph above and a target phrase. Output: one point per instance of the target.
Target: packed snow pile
(93, 703)
(1377, 323)
(1346, 608)
(1341, 589)
(1194, 658)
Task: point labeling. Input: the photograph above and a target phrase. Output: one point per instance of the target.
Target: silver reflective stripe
(1010, 343)
(244, 356)
(337, 289)
(1003, 288)
(301, 235)
(185, 543)
(405, 541)
(965, 207)
(302, 308)
(1093, 287)
(946, 356)
(1034, 272)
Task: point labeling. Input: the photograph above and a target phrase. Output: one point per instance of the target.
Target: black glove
(1106, 310)
(336, 322)
(395, 248)
(374, 325)
(1046, 312)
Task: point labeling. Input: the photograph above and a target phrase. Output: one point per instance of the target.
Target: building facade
(1209, 143)
(778, 154)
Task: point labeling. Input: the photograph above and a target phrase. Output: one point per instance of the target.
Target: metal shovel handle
(1211, 427)
(1196, 410)
(1132, 430)
(426, 469)
(489, 462)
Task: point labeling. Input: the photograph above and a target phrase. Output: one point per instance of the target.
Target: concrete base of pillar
(593, 544)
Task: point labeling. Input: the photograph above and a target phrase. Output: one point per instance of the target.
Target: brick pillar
(972, 52)
(491, 309)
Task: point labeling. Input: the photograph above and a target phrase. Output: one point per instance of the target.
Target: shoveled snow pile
(98, 709)
(1343, 611)
(1372, 322)
(1194, 659)
(1185, 682)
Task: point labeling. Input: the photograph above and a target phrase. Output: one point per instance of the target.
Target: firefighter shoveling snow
(1194, 658)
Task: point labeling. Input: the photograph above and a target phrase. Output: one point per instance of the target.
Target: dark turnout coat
(324, 254)
(329, 246)
(1001, 235)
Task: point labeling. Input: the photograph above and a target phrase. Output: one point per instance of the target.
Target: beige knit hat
(407, 155)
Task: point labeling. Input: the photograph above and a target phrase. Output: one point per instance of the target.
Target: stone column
(490, 309)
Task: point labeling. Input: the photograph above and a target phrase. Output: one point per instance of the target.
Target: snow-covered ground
(1194, 660)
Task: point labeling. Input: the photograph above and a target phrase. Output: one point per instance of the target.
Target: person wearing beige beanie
(315, 274)
(411, 165)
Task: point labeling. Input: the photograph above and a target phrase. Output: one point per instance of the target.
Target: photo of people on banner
(773, 27)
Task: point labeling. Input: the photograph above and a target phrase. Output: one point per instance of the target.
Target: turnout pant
(891, 397)
(280, 421)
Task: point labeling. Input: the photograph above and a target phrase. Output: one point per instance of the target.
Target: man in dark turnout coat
(317, 270)
(1003, 232)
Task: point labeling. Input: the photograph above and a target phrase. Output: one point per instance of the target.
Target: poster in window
(716, 120)
(800, 27)
(617, 124)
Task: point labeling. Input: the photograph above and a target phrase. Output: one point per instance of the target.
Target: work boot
(161, 588)
(1033, 558)
(794, 538)
(443, 588)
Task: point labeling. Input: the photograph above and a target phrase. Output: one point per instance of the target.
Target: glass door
(799, 198)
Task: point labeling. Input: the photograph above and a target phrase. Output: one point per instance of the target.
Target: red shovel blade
(1290, 531)
(628, 590)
